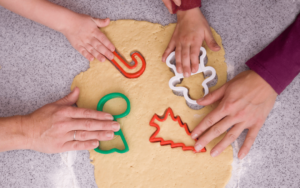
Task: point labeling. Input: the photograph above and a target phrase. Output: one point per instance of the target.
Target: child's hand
(191, 29)
(84, 35)
(245, 103)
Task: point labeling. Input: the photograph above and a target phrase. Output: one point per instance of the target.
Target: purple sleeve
(279, 62)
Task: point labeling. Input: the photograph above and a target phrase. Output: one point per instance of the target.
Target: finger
(169, 49)
(178, 58)
(177, 2)
(230, 137)
(101, 22)
(105, 41)
(212, 118)
(195, 52)
(210, 41)
(186, 61)
(168, 4)
(92, 125)
(85, 113)
(215, 131)
(95, 53)
(86, 54)
(70, 99)
(98, 46)
(90, 135)
(80, 145)
(212, 96)
(249, 140)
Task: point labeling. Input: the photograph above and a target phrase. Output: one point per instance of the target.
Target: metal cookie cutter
(130, 65)
(163, 142)
(209, 74)
(119, 132)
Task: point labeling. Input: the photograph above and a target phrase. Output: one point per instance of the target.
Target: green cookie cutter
(120, 133)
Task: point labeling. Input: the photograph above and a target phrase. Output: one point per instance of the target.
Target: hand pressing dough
(150, 164)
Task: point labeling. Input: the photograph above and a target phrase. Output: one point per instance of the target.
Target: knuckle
(232, 137)
(86, 113)
(99, 135)
(66, 110)
(185, 56)
(88, 124)
(216, 130)
(76, 146)
(101, 37)
(83, 135)
(185, 39)
(209, 121)
(250, 140)
(240, 115)
(59, 125)
(227, 108)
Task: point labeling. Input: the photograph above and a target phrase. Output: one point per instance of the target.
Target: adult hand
(168, 4)
(245, 103)
(190, 31)
(85, 36)
(51, 128)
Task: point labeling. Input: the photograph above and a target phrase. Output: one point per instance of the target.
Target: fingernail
(109, 134)
(179, 70)
(186, 74)
(194, 136)
(214, 153)
(199, 100)
(116, 126)
(108, 116)
(242, 155)
(198, 147)
(111, 57)
(92, 59)
(96, 143)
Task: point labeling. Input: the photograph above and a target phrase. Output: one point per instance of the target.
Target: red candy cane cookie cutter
(133, 56)
(163, 142)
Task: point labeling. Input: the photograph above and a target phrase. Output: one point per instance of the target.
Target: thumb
(101, 22)
(168, 4)
(213, 96)
(70, 99)
(177, 2)
(210, 41)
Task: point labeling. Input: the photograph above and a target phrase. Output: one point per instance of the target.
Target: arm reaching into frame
(81, 30)
(191, 30)
(247, 99)
(52, 128)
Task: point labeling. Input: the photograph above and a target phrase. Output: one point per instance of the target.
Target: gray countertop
(38, 66)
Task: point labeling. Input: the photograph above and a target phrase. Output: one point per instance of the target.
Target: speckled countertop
(38, 66)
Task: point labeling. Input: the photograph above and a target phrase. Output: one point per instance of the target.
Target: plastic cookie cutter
(120, 133)
(163, 142)
(131, 65)
(209, 72)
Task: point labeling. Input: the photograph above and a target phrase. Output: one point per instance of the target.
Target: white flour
(65, 177)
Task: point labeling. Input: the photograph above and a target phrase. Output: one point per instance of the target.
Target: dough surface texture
(150, 164)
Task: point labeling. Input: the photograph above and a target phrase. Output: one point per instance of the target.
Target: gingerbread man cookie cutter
(209, 74)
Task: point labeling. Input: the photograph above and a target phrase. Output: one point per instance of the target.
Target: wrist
(191, 13)
(12, 136)
(66, 25)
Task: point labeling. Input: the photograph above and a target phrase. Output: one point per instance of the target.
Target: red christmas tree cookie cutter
(163, 142)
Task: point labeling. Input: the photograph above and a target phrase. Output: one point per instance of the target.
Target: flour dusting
(65, 177)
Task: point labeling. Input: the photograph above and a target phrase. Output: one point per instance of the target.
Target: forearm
(279, 62)
(41, 11)
(12, 136)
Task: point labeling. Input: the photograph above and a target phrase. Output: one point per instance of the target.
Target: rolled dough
(150, 164)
